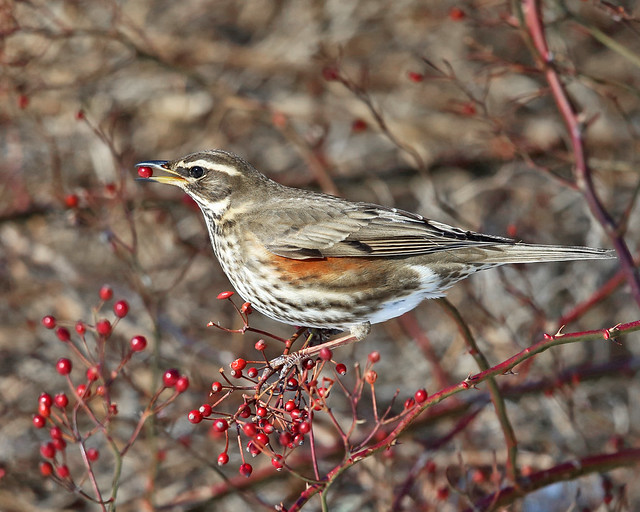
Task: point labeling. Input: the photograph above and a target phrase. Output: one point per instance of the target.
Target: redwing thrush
(311, 259)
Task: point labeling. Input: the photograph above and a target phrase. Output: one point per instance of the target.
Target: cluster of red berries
(62, 412)
(278, 417)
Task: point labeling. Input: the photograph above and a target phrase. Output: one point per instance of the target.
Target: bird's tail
(525, 253)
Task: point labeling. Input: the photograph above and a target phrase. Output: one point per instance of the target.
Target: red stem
(584, 178)
(546, 343)
(600, 463)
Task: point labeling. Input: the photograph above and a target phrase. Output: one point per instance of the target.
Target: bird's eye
(196, 172)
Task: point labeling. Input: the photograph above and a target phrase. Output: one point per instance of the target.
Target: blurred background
(433, 107)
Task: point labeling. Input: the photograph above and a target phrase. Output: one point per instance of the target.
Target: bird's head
(212, 178)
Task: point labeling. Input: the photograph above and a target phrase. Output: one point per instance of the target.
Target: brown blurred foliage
(407, 104)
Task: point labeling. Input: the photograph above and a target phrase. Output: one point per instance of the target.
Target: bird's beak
(163, 165)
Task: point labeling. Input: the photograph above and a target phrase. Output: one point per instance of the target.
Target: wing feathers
(359, 229)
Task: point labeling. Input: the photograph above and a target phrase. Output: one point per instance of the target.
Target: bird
(310, 259)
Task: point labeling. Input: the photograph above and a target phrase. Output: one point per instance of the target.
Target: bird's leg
(286, 361)
(357, 333)
(319, 336)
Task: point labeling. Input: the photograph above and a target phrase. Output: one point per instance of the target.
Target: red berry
(121, 308)
(285, 439)
(49, 321)
(71, 201)
(371, 376)
(249, 429)
(326, 354)
(80, 115)
(23, 101)
(261, 411)
(145, 172)
(252, 373)
(63, 366)
(268, 428)
(93, 454)
(261, 439)
(46, 468)
(63, 334)
(93, 373)
(206, 410)
(246, 308)
(182, 384)
(409, 403)
(289, 406)
(304, 427)
(220, 425)
(245, 469)
(39, 421)
(358, 126)
(478, 476)
(45, 398)
(194, 416)
(63, 471)
(236, 373)
(253, 449)
(60, 444)
(44, 410)
(223, 458)
(298, 439)
(442, 493)
(260, 345)
(238, 364)
(55, 433)
(276, 462)
(341, 369)
(420, 395)
(103, 327)
(330, 73)
(106, 292)
(468, 109)
(48, 450)
(456, 14)
(374, 357)
(61, 400)
(415, 77)
(296, 414)
(81, 328)
(83, 391)
(224, 295)
(279, 119)
(216, 387)
(292, 384)
(244, 411)
(138, 343)
(170, 377)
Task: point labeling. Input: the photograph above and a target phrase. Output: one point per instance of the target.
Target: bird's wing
(334, 228)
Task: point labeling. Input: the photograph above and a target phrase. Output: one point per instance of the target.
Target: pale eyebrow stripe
(227, 169)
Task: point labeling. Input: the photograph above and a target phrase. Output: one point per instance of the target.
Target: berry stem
(312, 445)
(544, 344)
